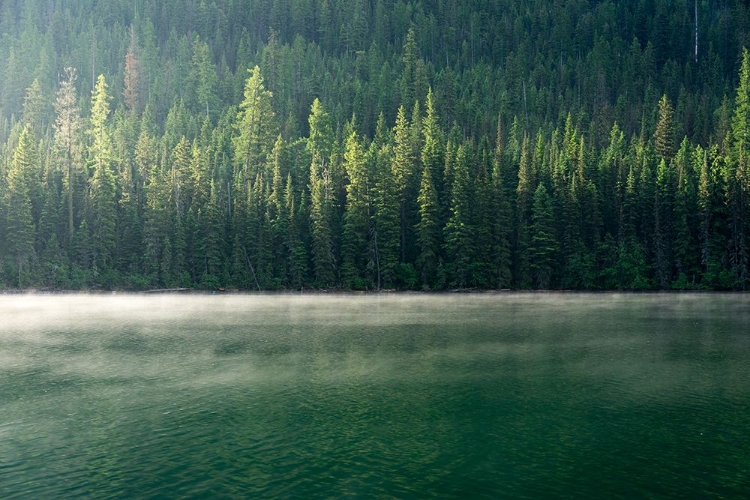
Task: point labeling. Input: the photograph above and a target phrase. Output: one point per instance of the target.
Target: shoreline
(331, 292)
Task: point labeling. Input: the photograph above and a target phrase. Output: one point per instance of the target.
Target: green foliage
(19, 222)
(458, 229)
(542, 243)
(355, 151)
(357, 215)
(256, 125)
(103, 212)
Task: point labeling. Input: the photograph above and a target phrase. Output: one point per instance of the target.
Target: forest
(374, 144)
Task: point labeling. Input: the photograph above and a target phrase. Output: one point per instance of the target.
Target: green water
(470, 396)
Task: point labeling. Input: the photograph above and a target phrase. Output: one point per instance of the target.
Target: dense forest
(375, 144)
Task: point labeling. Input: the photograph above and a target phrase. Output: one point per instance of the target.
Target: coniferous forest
(375, 144)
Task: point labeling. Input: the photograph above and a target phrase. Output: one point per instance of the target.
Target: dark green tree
(458, 229)
(542, 242)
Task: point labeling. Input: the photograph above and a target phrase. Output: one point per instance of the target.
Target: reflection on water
(512, 395)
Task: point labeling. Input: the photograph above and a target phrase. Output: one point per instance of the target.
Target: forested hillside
(375, 144)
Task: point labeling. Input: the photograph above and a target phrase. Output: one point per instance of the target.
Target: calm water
(513, 396)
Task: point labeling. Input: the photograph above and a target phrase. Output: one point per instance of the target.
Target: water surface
(470, 396)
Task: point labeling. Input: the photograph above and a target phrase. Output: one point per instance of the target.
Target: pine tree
(403, 171)
(501, 224)
(385, 234)
(297, 256)
(320, 147)
(323, 258)
(256, 127)
(67, 142)
(19, 223)
(433, 149)
(35, 108)
(684, 254)
(429, 224)
(409, 59)
(132, 80)
(739, 182)
(212, 241)
(428, 228)
(524, 194)
(50, 217)
(203, 78)
(664, 135)
(663, 223)
(458, 229)
(103, 216)
(542, 243)
(357, 215)
(277, 216)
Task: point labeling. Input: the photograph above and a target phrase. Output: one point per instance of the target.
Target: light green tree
(103, 213)
(256, 127)
(19, 223)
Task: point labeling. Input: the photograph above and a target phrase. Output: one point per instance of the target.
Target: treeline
(374, 145)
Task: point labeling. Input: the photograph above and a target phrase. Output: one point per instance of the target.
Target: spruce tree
(103, 215)
(458, 229)
(542, 242)
(256, 127)
(524, 198)
(429, 224)
(664, 134)
(357, 215)
(403, 171)
(385, 237)
(297, 256)
(428, 228)
(739, 178)
(19, 223)
(502, 221)
(67, 142)
(320, 146)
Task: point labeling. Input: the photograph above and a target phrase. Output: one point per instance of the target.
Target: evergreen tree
(403, 171)
(67, 143)
(409, 60)
(132, 80)
(458, 229)
(429, 225)
(103, 215)
(524, 194)
(664, 135)
(203, 78)
(385, 231)
(684, 248)
(320, 147)
(297, 264)
(501, 223)
(323, 258)
(357, 215)
(428, 228)
(256, 126)
(738, 181)
(542, 242)
(19, 223)
(277, 215)
(663, 223)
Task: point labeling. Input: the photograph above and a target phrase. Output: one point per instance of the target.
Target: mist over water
(481, 396)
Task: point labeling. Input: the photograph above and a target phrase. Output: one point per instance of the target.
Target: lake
(378, 396)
